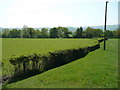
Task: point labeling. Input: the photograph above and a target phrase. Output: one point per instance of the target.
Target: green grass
(12, 47)
(99, 69)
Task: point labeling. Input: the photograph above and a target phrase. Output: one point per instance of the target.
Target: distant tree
(44, 33)
(70, 34)
(84, 34)
(5, 33)
(63, 32)
(60, 32)
(38, 33)
(24, 32)
(28, 33)
(97, 33)
(54, 32)
(25, 26)
(79, 32)
(66, 32)
(89, 32)
(109, 34)
(116, 33)
(14, 33)
(32, 32)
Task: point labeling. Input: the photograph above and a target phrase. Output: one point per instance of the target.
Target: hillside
(109, 27)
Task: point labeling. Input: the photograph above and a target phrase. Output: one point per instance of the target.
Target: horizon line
(60, 26)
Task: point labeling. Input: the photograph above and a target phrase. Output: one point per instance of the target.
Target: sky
(53, 13)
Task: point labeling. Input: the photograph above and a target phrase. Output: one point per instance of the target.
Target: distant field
(15, 47)
(99, 69)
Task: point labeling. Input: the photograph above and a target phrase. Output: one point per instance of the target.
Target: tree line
(58, 32)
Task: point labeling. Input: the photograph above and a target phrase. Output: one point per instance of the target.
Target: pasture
(99, 69)
(12, 47)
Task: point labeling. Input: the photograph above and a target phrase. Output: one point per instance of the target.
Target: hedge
(36, 62)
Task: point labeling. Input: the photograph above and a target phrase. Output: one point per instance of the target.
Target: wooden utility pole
(105, 25)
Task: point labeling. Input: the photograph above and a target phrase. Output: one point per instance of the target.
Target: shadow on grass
(23, 76)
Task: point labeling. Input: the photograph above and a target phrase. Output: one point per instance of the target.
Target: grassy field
(99, 69)
(15, 47)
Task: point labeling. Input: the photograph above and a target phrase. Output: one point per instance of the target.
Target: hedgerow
(27, 63)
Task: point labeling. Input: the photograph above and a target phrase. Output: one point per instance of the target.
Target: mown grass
(12, 47)
(99, 69)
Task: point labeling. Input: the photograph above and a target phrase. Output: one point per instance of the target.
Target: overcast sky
(53, 13)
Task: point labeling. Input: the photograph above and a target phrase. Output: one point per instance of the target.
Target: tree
(38, 33)
(5, 33)
(66, 32)
(70, 34)
(109, 34)
(44, 33)
(79, 32)
(54, 32)
(25, 33)
(60, 32)
(89, 32)
(63, 32)
(116, 33)
(97, 33)
(31, 32)
(0, 33)
(28, 33)
(14, 33)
